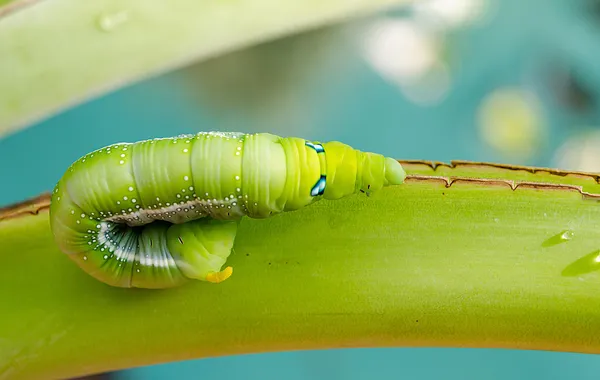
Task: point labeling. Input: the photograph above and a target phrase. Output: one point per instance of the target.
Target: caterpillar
(157, 213)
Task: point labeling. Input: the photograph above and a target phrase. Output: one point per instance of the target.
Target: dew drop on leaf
(567, 235)
(559, 238)
(110, 21)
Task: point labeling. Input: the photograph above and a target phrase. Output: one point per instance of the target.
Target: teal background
(346, 100)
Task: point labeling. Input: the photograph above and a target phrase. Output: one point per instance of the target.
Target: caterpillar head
(350, 171)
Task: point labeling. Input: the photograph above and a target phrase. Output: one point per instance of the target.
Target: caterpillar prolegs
(157, 213)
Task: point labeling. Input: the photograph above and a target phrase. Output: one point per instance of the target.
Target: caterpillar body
(157, 213)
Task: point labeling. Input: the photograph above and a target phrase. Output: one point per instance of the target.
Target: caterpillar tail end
(394, 172)
(200, 248)
(217, 277)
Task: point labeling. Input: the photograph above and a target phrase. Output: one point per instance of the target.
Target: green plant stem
(473, 264)
(58, 53)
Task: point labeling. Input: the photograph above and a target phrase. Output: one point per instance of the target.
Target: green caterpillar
(156, 213)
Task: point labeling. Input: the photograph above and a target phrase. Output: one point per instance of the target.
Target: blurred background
(483, 80)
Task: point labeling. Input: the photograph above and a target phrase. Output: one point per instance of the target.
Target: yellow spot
(216, 277)
(512, 122)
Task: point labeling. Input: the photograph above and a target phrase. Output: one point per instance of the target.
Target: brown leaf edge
(513, 185)
(455, 164)
(42, 202)
(31, 206)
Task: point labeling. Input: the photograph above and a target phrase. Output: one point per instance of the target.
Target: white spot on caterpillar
(134, 200)
(185, 150)
(237, 177)
(125, 198)
(185, 178)
(130, 188)
(122, 154)
(121, 162)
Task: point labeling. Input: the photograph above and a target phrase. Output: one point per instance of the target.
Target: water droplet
(111, 21)
(584, 265)
(562, 237)
(567, 235)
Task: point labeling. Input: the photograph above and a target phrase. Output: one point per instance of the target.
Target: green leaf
(469, 262)
(5, 2)
(55, 54)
